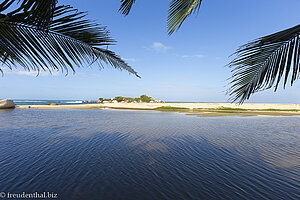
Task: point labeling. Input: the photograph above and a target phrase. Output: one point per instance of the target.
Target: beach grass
(230, 109)
(171, 108)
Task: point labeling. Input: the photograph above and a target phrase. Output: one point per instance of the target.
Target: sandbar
(200, 109)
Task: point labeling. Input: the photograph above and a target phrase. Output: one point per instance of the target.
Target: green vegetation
(171, 108)
(42, 35)
(103, 99)
(119, 98)
(230, 109)
(143, 98)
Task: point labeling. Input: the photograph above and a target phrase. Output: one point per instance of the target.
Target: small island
(120, 99)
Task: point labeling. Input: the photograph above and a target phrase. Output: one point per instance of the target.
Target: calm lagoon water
(109, 154)
(46, 102)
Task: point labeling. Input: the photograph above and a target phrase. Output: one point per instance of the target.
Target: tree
(101, 99)
(258, 65)
(145, 98)
(42, 35)
(119, 98)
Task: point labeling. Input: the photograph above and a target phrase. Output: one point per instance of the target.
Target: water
(46, 102)
(106, 154)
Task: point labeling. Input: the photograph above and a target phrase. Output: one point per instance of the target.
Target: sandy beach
(152, 106)
(199, 109)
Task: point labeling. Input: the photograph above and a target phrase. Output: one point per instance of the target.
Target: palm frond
(6, 4)
(263, 63)
(114, 60)
(35, 12)
(179, 10)
(70, 41)
(33, 49)
(69, 22)
(126, 6)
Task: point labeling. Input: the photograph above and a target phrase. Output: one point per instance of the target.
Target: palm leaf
(179, 10)
(263, 63)
(37, 12)
(69, 22)
(70, 41)
(126, 6)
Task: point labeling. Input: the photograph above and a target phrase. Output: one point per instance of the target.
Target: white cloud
(159, 47)
(129, 59)
(193, 56)
(32, 73)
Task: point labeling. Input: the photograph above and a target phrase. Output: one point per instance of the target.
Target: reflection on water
(103, 154)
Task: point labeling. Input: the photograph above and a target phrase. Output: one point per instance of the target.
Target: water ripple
(106, 154)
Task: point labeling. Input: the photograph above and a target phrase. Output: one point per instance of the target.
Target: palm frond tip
(179, 10)
(263, 63)
(126, 6)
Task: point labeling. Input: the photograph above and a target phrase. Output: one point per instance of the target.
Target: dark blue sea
(140, 155)
(46, 102)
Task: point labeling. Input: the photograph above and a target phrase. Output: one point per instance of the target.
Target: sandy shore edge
(152, 106)
(198, 109)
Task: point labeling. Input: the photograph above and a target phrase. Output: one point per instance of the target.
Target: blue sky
(187, 66)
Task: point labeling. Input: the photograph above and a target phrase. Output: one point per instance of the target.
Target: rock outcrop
(7, 104)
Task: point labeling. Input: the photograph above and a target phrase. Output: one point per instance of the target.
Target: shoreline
(199, 109)
(153, 106)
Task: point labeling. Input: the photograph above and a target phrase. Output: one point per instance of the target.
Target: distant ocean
(46, 102)
(67, 102)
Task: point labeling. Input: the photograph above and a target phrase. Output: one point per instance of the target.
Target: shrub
(145, 98)
(119, 98)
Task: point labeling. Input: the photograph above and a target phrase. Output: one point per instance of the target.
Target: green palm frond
(263, 63)
(69, 41)
(37, 12)
(69, 22)
(179, 10)
(114, 60)
(126, 6)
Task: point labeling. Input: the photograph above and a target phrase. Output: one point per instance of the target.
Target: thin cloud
(160, 47)
(129, 59)
(32, 73)
(193, 56)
